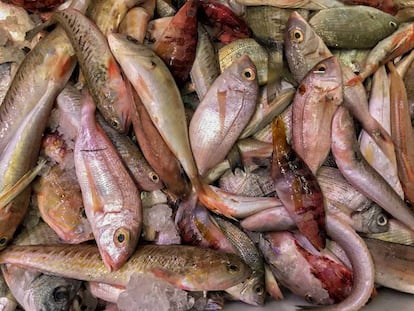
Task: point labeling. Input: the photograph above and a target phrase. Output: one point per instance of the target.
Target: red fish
(297, 188)
(177, 45)
(228, 25)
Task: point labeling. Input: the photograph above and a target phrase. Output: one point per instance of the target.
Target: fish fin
(222, 103)
(12, 191)
(34, 31)
(169, 277)
(97, 205)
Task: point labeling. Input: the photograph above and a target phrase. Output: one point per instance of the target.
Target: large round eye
(259, 290)
(320, 69)
(393, 24)
(233, 268)
(154, 177)
(382, 220)
(121, 236)
(3, 242)
(115, 124)
(249, 74)
(60, 294)
(296, 35)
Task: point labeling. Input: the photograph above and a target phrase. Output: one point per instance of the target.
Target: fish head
(52, 293)
(303, 47)
(117, 237)
(244, 70)
(8, 224)
(251, 291)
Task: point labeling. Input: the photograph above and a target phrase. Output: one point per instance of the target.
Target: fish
(41, 291)
(102, 74)
(223, 113)
(227, 25)
(360, 174)
(60, 204)
(252, 290)
(289, 4)
(402, 132)
(353, 27)
(392, 262)
(111, 199)
(397, 44)
(108, 14)
(186, 267)
(297, 188)
(379, 106)
(303, 47)
(396, 233)
(178, 42)
(7, 301)
(135, 23)
(315, 102)
(352, 58)
(35, 6)
(388, 6)
(271, 219)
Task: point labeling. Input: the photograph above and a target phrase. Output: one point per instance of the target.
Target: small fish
(98, 66)
(396, 233)
(223, 113)
(186, 267)
(360, 174)
(402, 132)
(297, 187)
(303, 47)
(227, 25)
(353, 27)
(315, 102)
(111, 199)
(177, 44)
(315, 5)
(252, 290)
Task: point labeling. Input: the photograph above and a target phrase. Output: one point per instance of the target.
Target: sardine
(316, 100)
(186, 267)
(353, 27)
(297, 188)
(102, 74)
(360, 174)
(111, 199)
(223, 113)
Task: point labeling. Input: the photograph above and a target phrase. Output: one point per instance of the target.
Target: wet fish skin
(178, 42)
(252, 290)
(359, 173)
(297, 188)
(315, 102)
(293, 4)
(402, 132)
(111, 199)
(353, 27)
(223, 113)
(388, 6)
(187, 267)
(303, 47)
(100, 69)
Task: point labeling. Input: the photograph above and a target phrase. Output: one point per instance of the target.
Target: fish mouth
(109, 263)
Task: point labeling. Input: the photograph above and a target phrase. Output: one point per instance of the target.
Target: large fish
(187, 267)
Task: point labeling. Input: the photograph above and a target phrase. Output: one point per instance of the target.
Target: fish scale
(187, 267)
(99, 67)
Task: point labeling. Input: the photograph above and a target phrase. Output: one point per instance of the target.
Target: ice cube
(147, 293)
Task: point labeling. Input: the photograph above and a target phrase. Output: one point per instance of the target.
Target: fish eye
(132, 39)
(233, 268)
(259, 290)
(3, 241)
(393, 24)
(309, 298)
(249, 74)
(121, 236)
(320, 69)
(382, 220)
(154, 177)
(115, 124)
(297, 36)
(60, 294)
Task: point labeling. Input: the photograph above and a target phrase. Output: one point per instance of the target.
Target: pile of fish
(174, 155)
